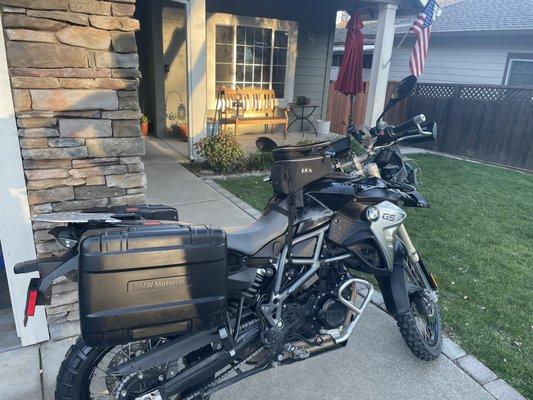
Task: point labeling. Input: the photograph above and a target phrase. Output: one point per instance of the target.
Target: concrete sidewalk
(376, 363)
(172, 184)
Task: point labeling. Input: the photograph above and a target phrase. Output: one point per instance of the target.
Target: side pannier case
(140, 282)
(297, 166)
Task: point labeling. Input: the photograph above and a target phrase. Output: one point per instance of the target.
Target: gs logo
(388, 217)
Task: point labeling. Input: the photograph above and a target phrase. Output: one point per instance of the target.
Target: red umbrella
(350, 78)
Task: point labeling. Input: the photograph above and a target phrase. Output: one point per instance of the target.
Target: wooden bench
(241, 107)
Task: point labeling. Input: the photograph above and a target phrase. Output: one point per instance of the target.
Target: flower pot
(323, 126)
(144, 128)
(183, 131)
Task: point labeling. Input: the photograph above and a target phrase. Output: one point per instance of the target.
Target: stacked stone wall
(73, 66)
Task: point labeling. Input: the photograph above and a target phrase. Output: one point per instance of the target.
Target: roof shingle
(468, 16)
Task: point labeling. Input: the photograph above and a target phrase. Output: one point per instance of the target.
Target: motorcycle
(174, 310)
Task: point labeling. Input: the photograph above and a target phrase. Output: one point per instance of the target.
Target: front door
(163, 62)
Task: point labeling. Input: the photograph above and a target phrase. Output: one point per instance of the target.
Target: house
(472, 42)
(71, 97)
(478, 72)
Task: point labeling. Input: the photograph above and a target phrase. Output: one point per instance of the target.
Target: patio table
(303, 116)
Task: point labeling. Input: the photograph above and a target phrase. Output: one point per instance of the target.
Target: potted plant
(144, 125)
(179, 125)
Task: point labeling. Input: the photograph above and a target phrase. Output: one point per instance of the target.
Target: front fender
(392, 286)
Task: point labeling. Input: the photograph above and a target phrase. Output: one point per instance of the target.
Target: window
(367, 60)
(251, 57)
(519, 72)
(337, 60)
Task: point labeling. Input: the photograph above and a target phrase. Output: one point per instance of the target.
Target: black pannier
(139, 282)
(296, 166)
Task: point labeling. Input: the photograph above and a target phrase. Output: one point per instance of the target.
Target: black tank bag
(294, 168)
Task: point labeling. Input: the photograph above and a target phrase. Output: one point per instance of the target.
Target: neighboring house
(473, 41)
(71, 97)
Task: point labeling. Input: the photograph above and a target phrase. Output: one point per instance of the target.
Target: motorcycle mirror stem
(403, 89)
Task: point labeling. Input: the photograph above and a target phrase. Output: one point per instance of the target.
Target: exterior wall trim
(214, 19)
(197, 71)
(16, 234)
(514, 57)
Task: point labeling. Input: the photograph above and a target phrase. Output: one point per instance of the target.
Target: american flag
(422, 28)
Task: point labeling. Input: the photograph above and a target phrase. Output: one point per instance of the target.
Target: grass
(477, 239)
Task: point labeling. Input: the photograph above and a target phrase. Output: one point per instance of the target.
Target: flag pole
(397, 48)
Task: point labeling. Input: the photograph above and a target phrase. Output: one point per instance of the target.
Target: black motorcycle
(174, 310)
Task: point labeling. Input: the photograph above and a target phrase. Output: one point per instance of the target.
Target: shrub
(222, 152)
(259, 161)
(305, 142)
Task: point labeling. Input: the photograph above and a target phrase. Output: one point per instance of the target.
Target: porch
(189, 50)
(247, 141)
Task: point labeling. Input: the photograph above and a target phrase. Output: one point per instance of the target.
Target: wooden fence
(491, 123)
(339, 107)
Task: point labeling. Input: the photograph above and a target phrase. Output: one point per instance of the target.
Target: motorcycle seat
(249, 239)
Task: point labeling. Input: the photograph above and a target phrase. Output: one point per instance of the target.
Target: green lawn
(477, 239)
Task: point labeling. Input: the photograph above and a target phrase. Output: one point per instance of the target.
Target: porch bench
(241, 107)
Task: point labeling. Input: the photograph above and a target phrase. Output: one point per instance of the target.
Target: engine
(315, 307)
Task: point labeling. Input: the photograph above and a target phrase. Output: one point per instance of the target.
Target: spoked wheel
(421, 326)
(84, 372)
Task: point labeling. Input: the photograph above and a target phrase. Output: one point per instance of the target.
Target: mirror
(403, 89)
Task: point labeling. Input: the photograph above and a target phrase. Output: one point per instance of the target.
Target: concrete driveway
(376, 363)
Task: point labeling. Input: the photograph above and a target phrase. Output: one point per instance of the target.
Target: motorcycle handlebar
(409, 125)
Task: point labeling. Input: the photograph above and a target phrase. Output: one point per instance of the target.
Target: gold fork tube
(404, 237)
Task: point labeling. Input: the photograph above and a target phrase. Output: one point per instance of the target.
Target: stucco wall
(174, 31)
(316, 24)
(73, 67)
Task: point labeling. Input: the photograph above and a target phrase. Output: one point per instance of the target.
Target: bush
(305, 142)
(222, 152)
(259, 161)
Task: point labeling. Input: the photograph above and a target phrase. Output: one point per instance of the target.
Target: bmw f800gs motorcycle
(172, 310)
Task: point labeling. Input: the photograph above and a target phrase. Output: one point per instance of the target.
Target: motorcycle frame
(278, 297)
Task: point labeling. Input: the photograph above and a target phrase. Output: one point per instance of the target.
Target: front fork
(427, 278)
(409, 247)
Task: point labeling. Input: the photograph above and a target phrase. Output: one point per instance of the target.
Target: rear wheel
(84, 371)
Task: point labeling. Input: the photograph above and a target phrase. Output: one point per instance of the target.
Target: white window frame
(291, 27)
(510, 67)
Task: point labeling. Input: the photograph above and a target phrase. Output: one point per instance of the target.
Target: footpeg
(297, 352)
(155, 395)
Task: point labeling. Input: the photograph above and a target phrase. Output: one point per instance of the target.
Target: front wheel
(421, 326)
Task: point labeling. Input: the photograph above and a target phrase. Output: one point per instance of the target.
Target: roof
(488, 16)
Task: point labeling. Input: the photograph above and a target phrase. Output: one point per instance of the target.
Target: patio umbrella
(350, 78)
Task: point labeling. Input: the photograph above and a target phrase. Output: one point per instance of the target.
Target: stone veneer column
(74, 72)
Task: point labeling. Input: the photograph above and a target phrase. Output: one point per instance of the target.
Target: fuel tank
(335, 194)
